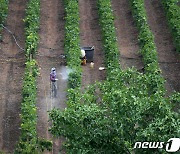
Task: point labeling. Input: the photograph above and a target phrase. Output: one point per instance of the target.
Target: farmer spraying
(53, 80)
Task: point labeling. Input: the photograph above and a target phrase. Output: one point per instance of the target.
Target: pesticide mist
(64, 72)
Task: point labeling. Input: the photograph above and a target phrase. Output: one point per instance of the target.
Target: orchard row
(131, 106)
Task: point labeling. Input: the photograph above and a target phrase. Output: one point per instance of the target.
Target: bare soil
(90, 35)
(169, 59)
(127, 35)
(49, 55)
(12, 64)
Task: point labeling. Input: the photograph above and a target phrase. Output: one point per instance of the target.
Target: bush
(72, 42)
(172, 11)
(148, 48)
(106, 20)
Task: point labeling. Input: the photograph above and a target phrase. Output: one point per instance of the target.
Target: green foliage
(175, 98)
(32, 27)
(28, 138)
(124, 112)
(74, 79)
(173, 16)
(72, 42)
(3, 12)
(44, 144)
(109, 35)
(129, 106)
(29, 142)
(148, 48)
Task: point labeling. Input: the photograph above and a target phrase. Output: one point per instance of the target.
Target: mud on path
(49, 55)
(90, 35)
(169, 59)
(12, 64)
(127, 35)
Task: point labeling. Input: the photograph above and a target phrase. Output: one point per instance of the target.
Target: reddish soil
(90, 35)
(50, 48)
(127, 35)
(12, 64)
(169, 59)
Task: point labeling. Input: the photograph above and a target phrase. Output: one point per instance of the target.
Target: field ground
(127, 35)
(90, 35)
(12, 64)
(169, 59)
(50, 48)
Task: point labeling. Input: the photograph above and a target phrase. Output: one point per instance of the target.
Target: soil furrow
(127, 35)
(11, 73)
(52, 37)
(90, 35)
(168, 57)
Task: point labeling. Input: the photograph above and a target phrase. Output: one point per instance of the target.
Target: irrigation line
(161, 62)
(13, 37)
(62, 56)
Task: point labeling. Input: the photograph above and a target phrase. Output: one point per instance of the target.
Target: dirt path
(90, 35)
(12, 64)
(50, 49)
(127, 35)
(169, 59)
